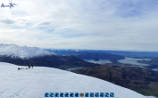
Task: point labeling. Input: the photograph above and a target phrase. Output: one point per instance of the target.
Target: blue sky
(81, 24)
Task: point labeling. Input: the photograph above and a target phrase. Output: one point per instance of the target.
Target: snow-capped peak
(22, 51)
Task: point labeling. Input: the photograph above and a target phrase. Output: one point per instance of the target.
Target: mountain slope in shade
(62, 62)
(22, 51)
(33, 83)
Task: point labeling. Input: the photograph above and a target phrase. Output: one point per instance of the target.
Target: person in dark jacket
(32, 66)
(29, 66)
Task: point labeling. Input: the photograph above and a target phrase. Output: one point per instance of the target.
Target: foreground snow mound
(34, 83)
(21, 51)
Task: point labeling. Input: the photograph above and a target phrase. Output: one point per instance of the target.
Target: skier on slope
(30, 66)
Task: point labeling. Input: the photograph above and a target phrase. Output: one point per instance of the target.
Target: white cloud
(84, 24)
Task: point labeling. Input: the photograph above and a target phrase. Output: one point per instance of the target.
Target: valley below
(142, 80)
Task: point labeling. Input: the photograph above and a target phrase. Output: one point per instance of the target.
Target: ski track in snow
(34, 83)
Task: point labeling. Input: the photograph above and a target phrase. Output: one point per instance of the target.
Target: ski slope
(34, 83)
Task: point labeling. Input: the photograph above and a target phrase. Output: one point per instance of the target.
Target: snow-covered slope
(21, 51)
(34, 83)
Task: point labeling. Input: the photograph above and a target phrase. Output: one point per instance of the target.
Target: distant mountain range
(22, 55)
(62, 58)
(135, 54)
(104, 54)
(89, 54)
(22, 51)
(127, 73)
(145, 59)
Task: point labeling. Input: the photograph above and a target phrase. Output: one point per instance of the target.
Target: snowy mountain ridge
(34, 83)
(21, 51)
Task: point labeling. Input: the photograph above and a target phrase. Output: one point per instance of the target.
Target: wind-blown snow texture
(33, 83)
(21, 51)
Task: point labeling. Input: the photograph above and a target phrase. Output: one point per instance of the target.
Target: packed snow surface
(21, 51)
(34, 83)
